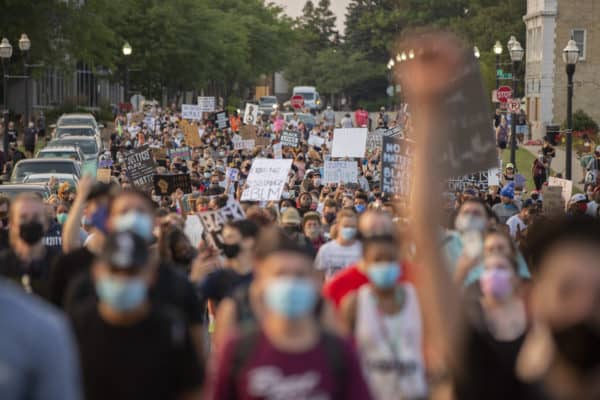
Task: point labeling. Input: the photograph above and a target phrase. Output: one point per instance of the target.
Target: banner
(266, 179)
(290, 139)
(316, 141)
(349, 142)
(166, 184)
(214, 221)
(340, 172)
(181, 152)
(140, 167)
(191, 111)
(190, 133)
(396, 165)
(251, 114)
(244, 144)
(206, 104)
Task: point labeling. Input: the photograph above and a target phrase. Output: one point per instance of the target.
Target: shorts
(502, 145)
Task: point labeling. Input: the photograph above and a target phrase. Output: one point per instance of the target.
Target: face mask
(348, 233)
(285, 195)
(517, 197)
(578, 345)
(329, 217)
(61, 218)
(221, 154)
(207, 175)
(384, 274)
(469, 222)
(313, 233)
(535, 196)
(282, 209)
(360, 208)
(98, 219)
(136, 222)
(291, 297)
(231, 250)
(121, 294)
(317, 182)
(31, 232)
(496, 283)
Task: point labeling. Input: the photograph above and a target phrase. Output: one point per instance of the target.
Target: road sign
(514, 105)
(297, 101)
(504, 93)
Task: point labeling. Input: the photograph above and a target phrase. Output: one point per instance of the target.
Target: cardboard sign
(191, 111)
(314, 140)
(103, 175)
(248, 132)
(263, 141)
(349, 142)
(137, 117)
(340, 172)
(206, 104)
(466, 139)
(166, 184)
(221, 120)
(244, 144)
(159, 153)
(181, 152)
(214, 221)
(290, 139)
(278, 150)
(396, 166)
(140, 167)
(190, 133)
(251, 114)
(566, 186)
(266, 179)
(553, 201)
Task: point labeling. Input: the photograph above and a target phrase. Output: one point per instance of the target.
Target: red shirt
(350, 279)
(361, 118)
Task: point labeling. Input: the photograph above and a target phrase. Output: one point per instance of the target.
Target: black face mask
(231, 250)
(329, 217)
(579, 345)
(31, 232)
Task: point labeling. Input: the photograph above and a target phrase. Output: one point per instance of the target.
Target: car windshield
(62, 131)
(14, 192)
(59, 154)
(88, 147)
(75, 121)
(25, 169)
(268, 100)
(45, 179)
(307, 96)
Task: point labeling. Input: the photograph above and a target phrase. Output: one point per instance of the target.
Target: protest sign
(396, 165)
(266, 179)
(391, 132)
(105, 163)
(140, 167)
(553, 201)
(566, 186)
(191, 111)
(248, 132)
(206, 104)
(314, 140)
(166, 184)
(251, 114)
(290, 139)
(494, 177)
(374, 140)
(340, 172)
(466, 140)
(190, 133)
(349, 142)
(278, 150)
(221, 119)
(244, 144)
(103, 175)
(214, 221)
(477, 180)
(232, 174)
(137, 117)
(159, 153)
(263, 141)
(181, 152)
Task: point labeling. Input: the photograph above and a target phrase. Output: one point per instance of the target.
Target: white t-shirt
(515, 222)
(333, 257)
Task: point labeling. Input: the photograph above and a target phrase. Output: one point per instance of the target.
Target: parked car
(79, 130)
(78, 119)
(70, 152)
(267, 104)
(44, 165)
(44, 178)
(88, 145)
(308, 119)
(11, 190)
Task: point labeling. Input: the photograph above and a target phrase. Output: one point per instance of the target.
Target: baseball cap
(291, 216)
(510, 165)
(579, 197)
(125, 251)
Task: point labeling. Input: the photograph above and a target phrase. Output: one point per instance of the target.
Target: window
(579, 35)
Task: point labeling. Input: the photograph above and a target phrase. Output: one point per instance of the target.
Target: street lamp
(516, 56)
(24, 46)
(390, 66)
(127, 50)
(570, 57)
(5, 55)
(497, 52)
(476, 52)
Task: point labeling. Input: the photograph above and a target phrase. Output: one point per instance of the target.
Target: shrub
(582, 122)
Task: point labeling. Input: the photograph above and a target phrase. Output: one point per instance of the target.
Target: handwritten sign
(396, 131)
(206, 104)
(181, 152)
(159, 153)
(190, 133)
(103, 175)
(244, 144)
(553, 200)
(266, 179)
(396, 166)
(251, 114)
(221, 120)
(232, 174)
(374, 140)
(248, 132)
(340, 172)
(166, 184)
(140, 167)
(191, 111)
(290, 138)
(214, 221)
(566, 186)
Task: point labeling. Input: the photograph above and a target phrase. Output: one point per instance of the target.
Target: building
(550, 24)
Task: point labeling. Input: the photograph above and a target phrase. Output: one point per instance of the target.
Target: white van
(312, 100)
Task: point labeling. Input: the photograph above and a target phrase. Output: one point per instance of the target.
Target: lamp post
(390, 66)
(516, 55)
(497, 52)
(5, 55)
(570, 57)
(24, 46)
(476, 53)
(126, 52)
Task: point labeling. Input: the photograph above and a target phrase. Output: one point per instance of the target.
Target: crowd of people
(335, 291)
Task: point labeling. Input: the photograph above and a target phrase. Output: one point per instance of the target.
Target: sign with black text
(290, 139)
(140, 167)
(206, 104)
(396, 164)
(214, 221)
(221, 120)
(181, 152)
(266, 179)
(166, 184)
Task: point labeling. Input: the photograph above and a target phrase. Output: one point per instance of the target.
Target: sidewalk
(559, 164)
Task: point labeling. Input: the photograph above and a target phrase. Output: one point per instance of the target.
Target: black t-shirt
(65, 270)
(152, 359)
(4, 243)
(33, 276)
(220, 283)
(29, 137)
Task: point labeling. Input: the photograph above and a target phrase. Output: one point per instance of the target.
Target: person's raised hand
(84, 187)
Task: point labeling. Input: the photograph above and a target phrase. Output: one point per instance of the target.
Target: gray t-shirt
(333, 257)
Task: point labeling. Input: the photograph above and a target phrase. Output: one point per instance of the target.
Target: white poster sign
(243, 144)
(191, 111)
(266, 179)
(278, 150)
(314, 140)
(206, 104)
(494, 176)
(251, 114)
(349, 142)
(566, 185)
(340, 172)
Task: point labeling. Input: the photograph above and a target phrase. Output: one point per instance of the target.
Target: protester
(507, 208)
(517, 224)
(539, 170)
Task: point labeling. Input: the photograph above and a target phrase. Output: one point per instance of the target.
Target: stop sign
(297, 101)
(504, 93)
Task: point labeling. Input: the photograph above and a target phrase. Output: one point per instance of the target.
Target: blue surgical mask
(384, 274)
(98, 219)
(122, 294)
(348, 233)
(360, 208)
(61, 218)
(291, 297)
(136, 222)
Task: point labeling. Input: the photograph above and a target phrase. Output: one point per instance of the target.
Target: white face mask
(469, 222)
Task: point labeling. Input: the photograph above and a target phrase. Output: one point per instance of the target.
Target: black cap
(125, 250)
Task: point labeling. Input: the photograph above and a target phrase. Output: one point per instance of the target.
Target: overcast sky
(294, 8)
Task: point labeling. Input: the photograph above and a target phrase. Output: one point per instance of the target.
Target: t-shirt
(66, 268)
(333, 257)
(53, 237)
(220, 283)
(272, 374)
(505, 211)
(151, 359)
(515, 223)
(33, 276)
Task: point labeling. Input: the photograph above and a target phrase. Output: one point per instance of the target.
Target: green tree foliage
(582, 122)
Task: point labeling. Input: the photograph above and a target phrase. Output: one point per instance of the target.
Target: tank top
(390, 347)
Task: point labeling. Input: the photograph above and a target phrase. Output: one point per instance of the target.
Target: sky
(294, 9)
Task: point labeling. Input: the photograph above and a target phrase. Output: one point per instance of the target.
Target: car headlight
(318, 101)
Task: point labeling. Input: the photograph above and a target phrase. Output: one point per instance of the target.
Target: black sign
(290, 139)
(391, 132)
(166, 184)
(214, 221)
(396, 160)
(221, 119)
(140, 167)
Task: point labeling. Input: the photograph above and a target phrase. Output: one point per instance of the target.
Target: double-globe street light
(516, 56)
(570, 57)
(127, 50)
(497, 52)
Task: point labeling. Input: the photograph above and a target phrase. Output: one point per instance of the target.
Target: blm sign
(140, 167)
(214, 221)
(166, 184)
(396, 165)
(290, 139)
